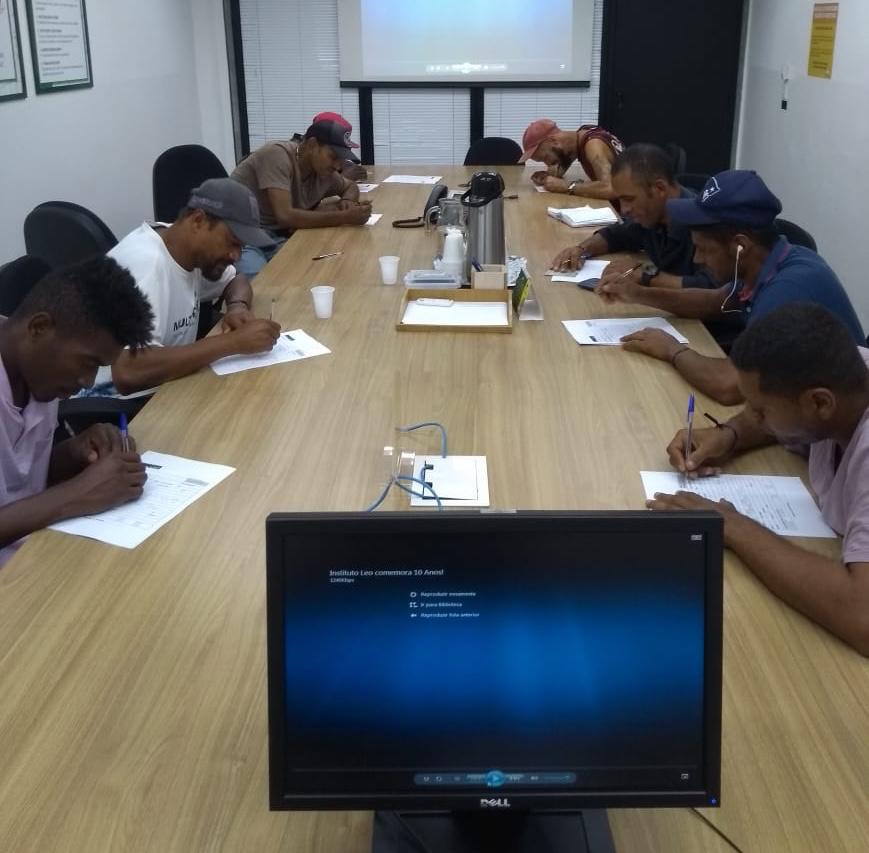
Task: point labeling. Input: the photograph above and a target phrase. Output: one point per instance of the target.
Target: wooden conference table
(133, 704)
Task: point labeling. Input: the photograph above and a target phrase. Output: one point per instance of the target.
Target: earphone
(739, 250)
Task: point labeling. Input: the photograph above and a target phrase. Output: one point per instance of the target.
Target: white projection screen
(470, 41)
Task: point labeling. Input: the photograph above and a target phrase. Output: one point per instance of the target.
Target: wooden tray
(459, 298)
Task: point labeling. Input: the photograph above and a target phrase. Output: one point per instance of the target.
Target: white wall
(157, 83)
(812, 155)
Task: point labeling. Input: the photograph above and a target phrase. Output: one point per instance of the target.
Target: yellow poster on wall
(824, 19)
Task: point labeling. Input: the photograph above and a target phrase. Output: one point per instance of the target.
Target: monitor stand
(471, 832)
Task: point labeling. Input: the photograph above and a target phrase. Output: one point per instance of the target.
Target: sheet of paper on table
(458, 481)
(590, 269)
(173, 484)
(290, 346)
(609, 333)
(412, 179)
(782, 504)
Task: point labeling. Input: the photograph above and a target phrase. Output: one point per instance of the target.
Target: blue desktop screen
(495, 661)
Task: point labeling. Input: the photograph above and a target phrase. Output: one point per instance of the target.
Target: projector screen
(473, 41)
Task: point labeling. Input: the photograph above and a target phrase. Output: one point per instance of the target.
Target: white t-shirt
(173, 292)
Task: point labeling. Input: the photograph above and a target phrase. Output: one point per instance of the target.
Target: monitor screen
(557, 659)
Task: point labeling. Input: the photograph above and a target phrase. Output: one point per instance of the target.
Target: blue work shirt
(797, 274)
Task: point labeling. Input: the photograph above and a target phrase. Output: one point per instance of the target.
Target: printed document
(412, 179)
(783, 504)
(290, 346)
(609, 333)
(590, 270)
(173, 484)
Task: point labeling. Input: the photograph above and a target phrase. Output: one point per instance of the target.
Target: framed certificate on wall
(59, 44)
(12, 83)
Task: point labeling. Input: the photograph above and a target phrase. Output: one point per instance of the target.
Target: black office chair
(177, 171)
(63, 233)
(16, 280)
(677, 154)
(795, 234)
(493, 151)
(692, 180)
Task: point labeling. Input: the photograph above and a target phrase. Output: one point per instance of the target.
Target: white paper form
(374, 219)
(585, 216)
(412, 179)
(609, 333)
(367, 188)
(290, 346)
(457, 314)
(590, 270)
(782, 504)
(458, 481)
(173, 484)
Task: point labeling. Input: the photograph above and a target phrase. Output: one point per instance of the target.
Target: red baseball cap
(338, 119)
(535, 133)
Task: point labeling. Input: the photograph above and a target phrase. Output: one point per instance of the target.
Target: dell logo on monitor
(496, 803)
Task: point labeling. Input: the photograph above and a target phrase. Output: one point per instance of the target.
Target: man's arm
(715, 377)
(112, 480)
(350, 191)
(693, 303)
(826, 591)
(155, 365)
(293, 218)
(238, 293)
(829, 593)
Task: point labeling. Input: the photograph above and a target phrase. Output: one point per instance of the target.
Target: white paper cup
(389, 268)
(323, 294)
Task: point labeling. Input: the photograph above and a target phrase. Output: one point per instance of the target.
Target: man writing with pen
(70, 323)
(643, 181)
(806, 385)
(291, 180)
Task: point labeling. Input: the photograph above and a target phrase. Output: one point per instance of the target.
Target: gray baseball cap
(235, 204)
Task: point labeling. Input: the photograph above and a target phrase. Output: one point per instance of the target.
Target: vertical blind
(291, 73)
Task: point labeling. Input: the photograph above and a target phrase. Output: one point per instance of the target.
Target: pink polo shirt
(25, 449)
(843, 492)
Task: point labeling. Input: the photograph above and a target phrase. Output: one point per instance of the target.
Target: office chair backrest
(16, 280)
(177, 171)
(677, 154)
(62, 233)
(493, 151)
(795, 234)
(692, 180)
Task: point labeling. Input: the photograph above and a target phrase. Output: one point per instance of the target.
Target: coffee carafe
(484, 206)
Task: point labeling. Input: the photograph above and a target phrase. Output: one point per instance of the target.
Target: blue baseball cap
(734, 197)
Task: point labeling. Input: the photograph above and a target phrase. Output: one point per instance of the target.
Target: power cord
(439, 426)
(716, 830)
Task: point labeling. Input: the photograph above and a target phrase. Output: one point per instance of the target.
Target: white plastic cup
(323, 295)
(389, 268)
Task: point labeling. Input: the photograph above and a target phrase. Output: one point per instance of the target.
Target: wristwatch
(649, 271)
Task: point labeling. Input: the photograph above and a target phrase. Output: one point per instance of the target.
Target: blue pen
(476, 265)
(125, 436)
(690, 430)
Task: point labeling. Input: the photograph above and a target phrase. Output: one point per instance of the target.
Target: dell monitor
(492, 680)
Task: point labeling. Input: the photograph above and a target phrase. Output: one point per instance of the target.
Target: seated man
(643, 181)
(594, 147)
(70, 323)
(732, 226)
(290, 180)
(178, 265)
(805, 382)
